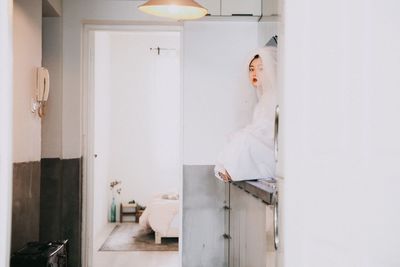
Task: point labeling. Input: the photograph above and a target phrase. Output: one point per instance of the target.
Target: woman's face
(255, 71)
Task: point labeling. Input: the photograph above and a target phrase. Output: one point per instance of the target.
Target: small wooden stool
(126, 210)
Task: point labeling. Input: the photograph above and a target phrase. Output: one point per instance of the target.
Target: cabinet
(270, 8)
(240, 7)
(247, 218)
(250, 230)
(232, 7)
(265, 8)
(224, 225)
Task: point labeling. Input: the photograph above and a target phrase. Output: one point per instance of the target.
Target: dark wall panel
(61, 212)
(26, 204)
(72, 208)
(50, 200)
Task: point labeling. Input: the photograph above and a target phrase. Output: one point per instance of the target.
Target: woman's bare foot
(225, 176)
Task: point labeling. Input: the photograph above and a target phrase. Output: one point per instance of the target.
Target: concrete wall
(203, 218)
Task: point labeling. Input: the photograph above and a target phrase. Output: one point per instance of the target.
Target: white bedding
(161, 215)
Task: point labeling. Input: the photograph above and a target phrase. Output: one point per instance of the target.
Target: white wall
(52, 60)
(340, 133)
(75, 12)
(218, 98)
(145, 114)
(6, 79)
(102, 128)
(27, 57)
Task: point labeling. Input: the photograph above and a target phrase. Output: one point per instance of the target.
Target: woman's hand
(225, 176)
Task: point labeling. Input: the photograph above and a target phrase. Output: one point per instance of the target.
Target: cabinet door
(241, 7)
(213, 6)
(236, 212)
(227, 217)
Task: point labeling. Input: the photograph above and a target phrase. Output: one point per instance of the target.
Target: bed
(162, 216)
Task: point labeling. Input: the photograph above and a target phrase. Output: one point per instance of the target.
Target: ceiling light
(174, 9)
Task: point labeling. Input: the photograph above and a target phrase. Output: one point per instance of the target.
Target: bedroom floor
(131, 258)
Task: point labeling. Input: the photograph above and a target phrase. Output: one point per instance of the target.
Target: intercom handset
(42, 90)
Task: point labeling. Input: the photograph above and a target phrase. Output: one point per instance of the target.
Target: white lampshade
(174, 9)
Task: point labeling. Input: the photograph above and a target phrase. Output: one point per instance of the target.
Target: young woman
(249, 154)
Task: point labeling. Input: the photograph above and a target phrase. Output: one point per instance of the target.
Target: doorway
(132, 145)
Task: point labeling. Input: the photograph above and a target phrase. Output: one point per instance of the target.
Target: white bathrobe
(249, 153)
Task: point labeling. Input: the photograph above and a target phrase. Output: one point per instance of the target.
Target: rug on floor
(132, 237)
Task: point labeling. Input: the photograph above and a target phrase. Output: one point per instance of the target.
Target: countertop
(262, 189)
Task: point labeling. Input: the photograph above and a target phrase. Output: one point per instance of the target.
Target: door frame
(87, 120)
(6, 104)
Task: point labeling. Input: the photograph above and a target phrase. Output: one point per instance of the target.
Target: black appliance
(41, 254)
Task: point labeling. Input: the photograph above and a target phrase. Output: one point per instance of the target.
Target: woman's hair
(254, 58)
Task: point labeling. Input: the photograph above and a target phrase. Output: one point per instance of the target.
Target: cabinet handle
(226, 207)
(242, 15)
(276, 132)
(276, 223)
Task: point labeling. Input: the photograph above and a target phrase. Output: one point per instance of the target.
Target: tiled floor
(131, 258)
